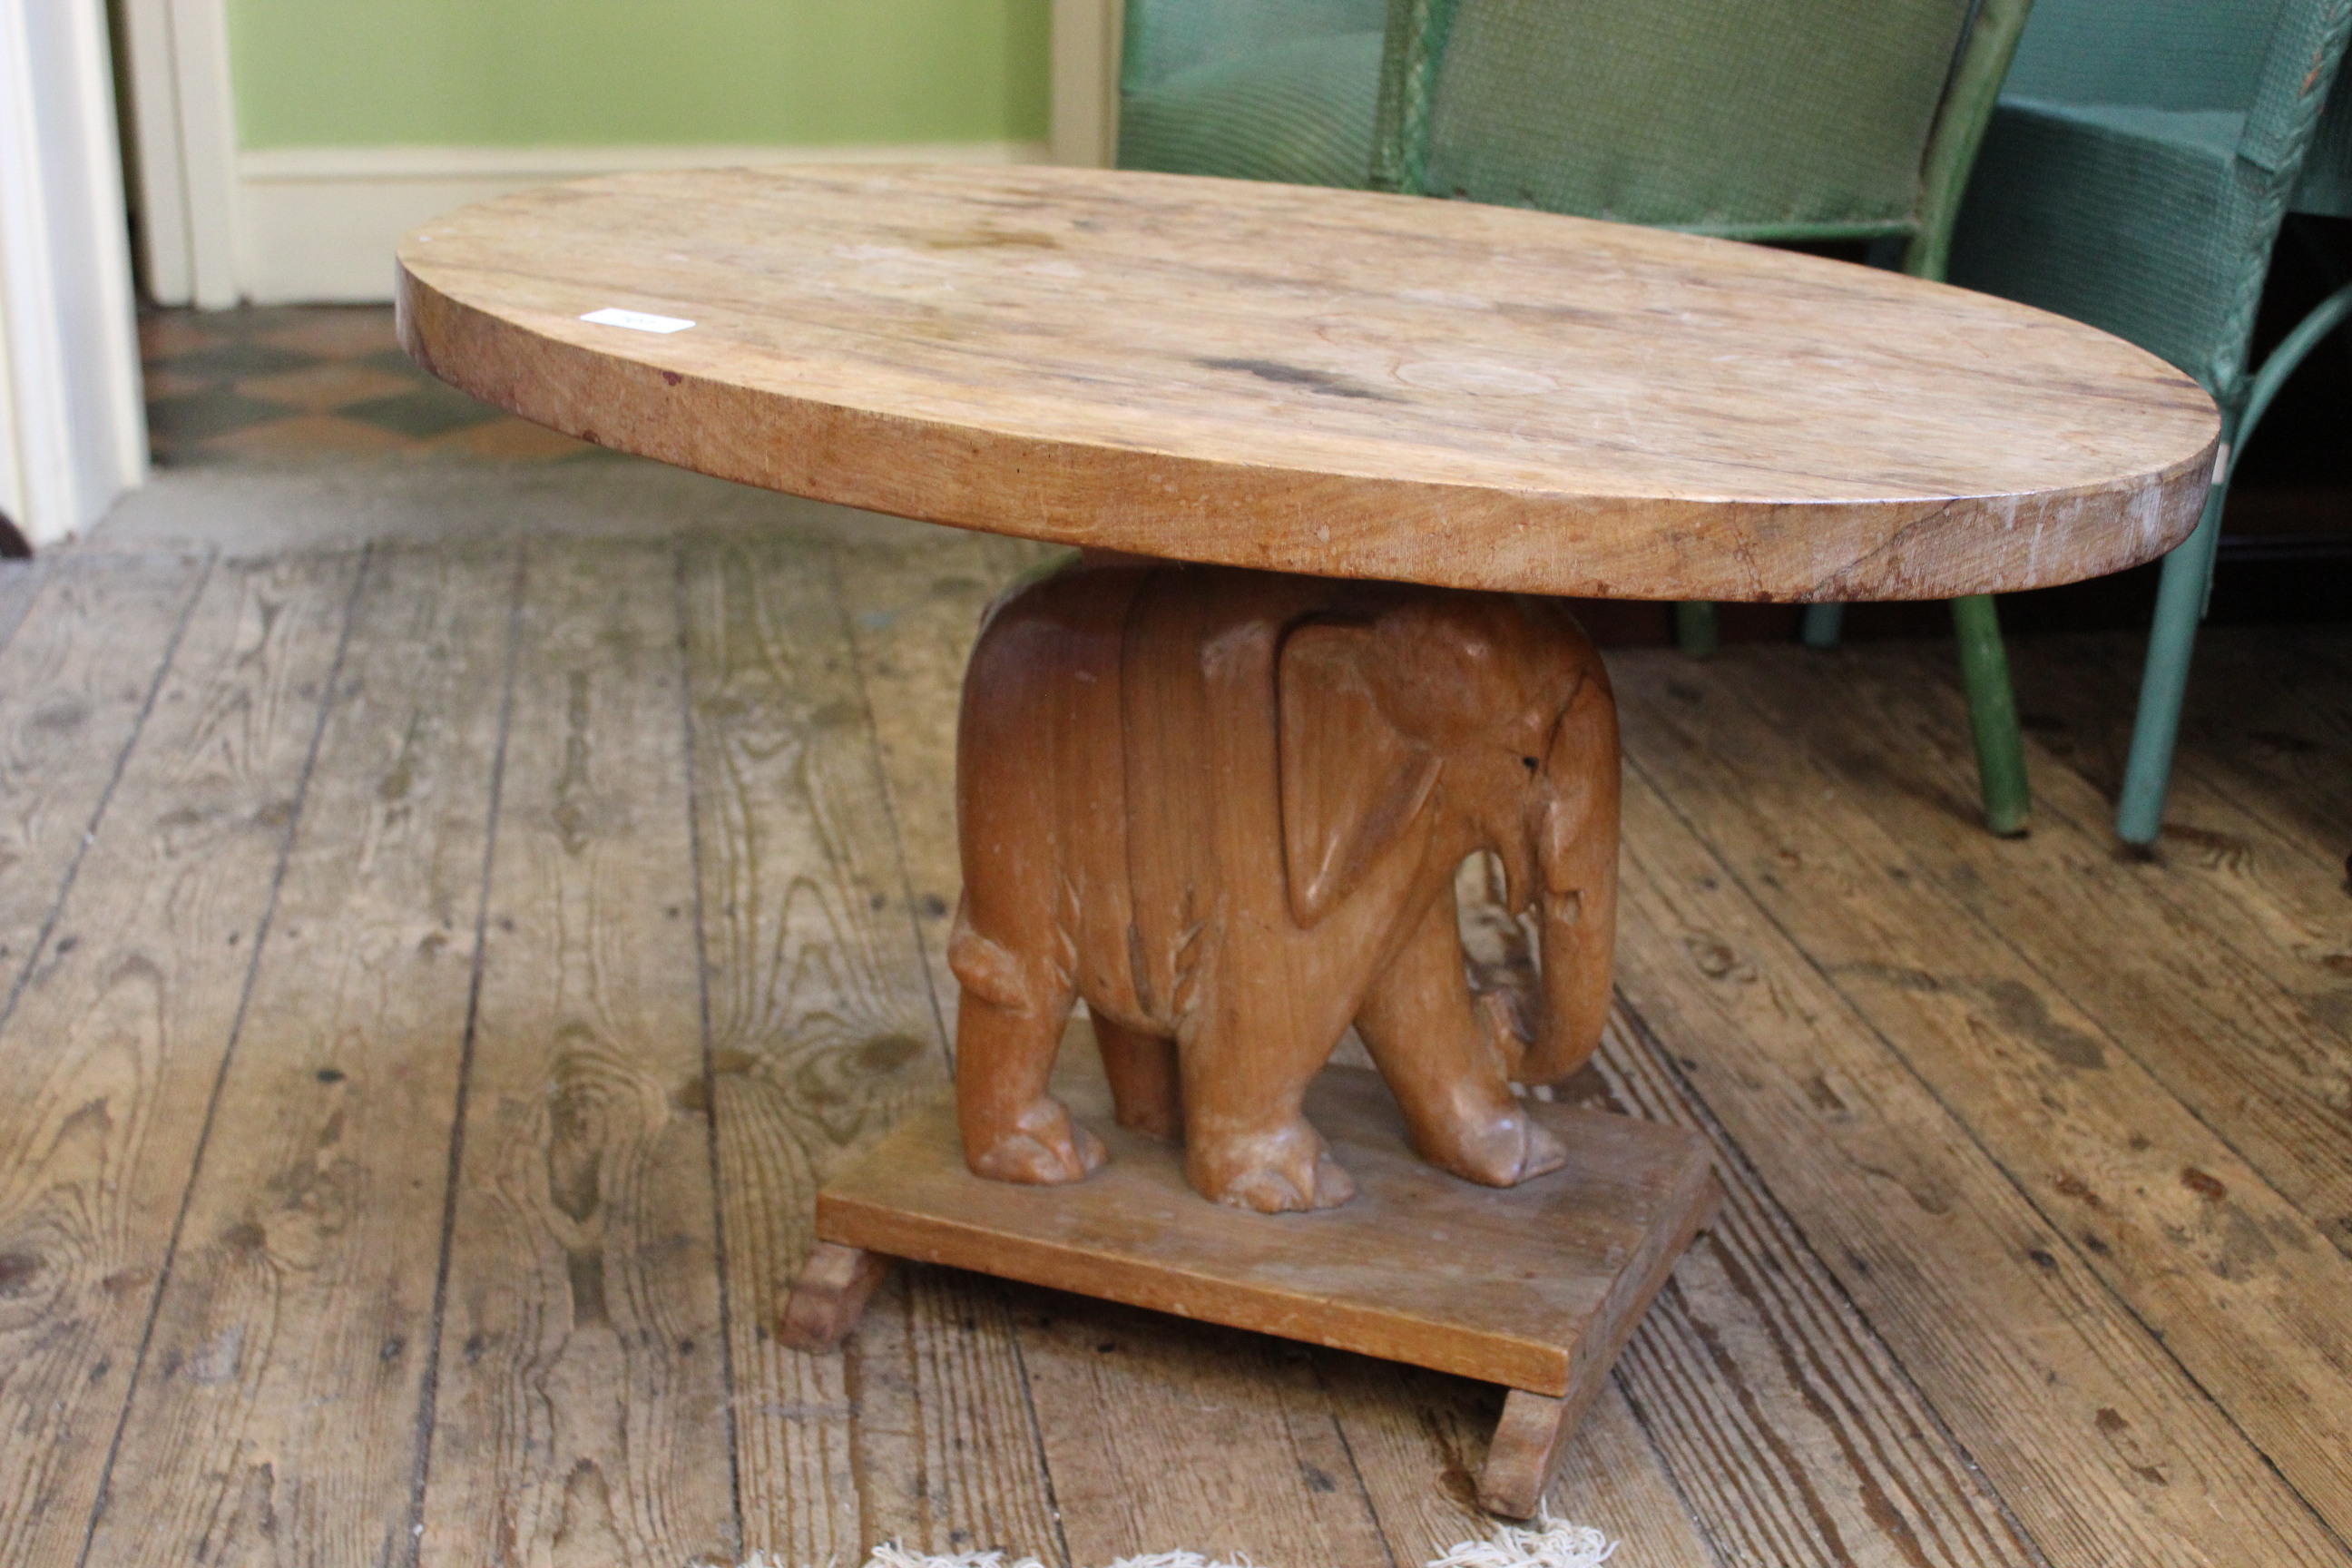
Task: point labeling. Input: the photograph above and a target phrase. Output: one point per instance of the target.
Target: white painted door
(73, 432)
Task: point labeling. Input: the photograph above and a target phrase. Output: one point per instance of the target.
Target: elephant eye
(1531, 761)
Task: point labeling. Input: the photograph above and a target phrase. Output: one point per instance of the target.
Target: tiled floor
(300, 384)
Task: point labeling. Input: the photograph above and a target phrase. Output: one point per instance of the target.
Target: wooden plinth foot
(830, 1296)
(1534, 1427)
(1527, 1441)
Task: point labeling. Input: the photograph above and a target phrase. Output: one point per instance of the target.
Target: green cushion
(2137, 220)
(1299, 112)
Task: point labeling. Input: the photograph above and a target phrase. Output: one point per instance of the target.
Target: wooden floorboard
(2240, 1285)
(77, 676)
(279, 1404)
(946, 1449)
(1419, 1438)
(1783, 1416)
(2258, 731)
(822, 1030)
(2190, 962)
(1994, 1307)
(581, 1409)
(2282, 717)
(110, 1058)
(2034, 1149)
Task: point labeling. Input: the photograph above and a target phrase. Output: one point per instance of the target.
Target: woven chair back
(1754, 119)
(1164, 38)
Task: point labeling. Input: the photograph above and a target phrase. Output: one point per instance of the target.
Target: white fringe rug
(1547, 1544)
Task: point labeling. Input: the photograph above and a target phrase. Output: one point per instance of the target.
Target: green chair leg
(2187, 582)
(1695, 628)
(1823, 623)
(2164, 683)
(1992, 715)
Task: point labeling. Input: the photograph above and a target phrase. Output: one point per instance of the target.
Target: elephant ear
(1351, 781)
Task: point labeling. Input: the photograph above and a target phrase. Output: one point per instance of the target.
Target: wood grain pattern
(74, 681)
(581, 1412)
(2241, 1287)
(112, 1053)
(2014, 1340)
(943, 1463)
(282, 1392)
(1325, 381)
(2266, 750)
(821, 1027)
(2271, 860)
(2243, 1034)
(1162, 1433)
(949, 1459)
(1793, 1433)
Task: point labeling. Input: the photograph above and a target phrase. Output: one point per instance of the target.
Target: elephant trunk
(1575, 854)
(1576, 940)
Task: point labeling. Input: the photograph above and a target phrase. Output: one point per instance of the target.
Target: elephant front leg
(1422, 1029)
(1007, 1035)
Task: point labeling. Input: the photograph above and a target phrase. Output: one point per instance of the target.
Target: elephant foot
(1287, 1170)
(1504, 1150)
(1042, 1147)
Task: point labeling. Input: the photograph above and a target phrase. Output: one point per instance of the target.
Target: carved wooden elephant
(1226, 807)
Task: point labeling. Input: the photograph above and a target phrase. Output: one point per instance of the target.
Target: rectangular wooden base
(1537, 1287)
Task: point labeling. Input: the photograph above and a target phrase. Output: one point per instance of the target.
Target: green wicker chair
(1254, 89)
(2135, 175)
(1764, 119)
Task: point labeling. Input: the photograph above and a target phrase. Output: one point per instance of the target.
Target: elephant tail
(986, 968)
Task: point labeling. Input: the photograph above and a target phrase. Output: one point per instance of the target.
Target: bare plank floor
(434, 978)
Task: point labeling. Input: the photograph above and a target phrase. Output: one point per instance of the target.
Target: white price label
(635, 321)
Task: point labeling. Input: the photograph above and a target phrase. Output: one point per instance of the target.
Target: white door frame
(73, 430)
(1086, 41)
(185, 122)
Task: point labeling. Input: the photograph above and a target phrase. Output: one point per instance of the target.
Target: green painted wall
(359, 73)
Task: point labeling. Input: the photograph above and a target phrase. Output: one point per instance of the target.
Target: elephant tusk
(1501, 1027)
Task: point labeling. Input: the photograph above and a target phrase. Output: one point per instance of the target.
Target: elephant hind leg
(1013, 1130)
(1008, 1032)
(1144, 1085)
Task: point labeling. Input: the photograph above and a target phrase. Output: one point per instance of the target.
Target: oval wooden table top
(1321, 381)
